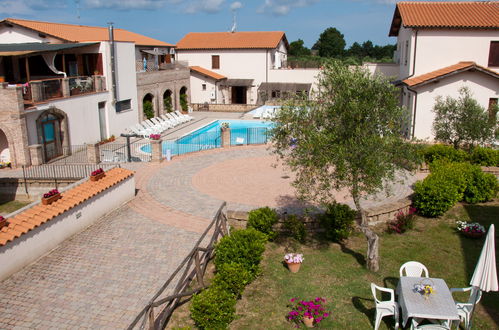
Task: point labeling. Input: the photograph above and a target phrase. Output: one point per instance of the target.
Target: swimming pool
(209, 136)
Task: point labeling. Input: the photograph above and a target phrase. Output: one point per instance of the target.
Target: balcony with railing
(40, 91)
(153, 66)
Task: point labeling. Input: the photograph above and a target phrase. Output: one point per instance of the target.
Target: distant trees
(331, 44)
(297, 48)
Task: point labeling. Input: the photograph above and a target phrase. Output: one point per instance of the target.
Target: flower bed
(471, 229)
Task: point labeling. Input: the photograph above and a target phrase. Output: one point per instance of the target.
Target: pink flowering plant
(97, 172)
(294, 258)
(51, 193)
(403, 221)
(300, 309)
(155, 136)
(470, 227)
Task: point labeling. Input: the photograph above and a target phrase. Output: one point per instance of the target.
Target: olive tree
(462, 120)
(347, 136)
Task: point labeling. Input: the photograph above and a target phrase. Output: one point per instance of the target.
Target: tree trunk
(372, 259)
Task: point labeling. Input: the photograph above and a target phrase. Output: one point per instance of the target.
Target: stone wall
(223, 107)
(13, 124)
(157, 83)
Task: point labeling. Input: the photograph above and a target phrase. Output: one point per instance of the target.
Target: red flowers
(97, 171)
(51, 193)
(155, 136)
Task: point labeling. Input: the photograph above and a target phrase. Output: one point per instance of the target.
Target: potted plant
(97, 175)
(224, 125)
(471, 229)
(3, 222)
(50, 197)
(307, 312)
(293, 260)
(155, 137)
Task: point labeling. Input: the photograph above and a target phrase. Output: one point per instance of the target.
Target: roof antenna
(78, 9)
(234, 22)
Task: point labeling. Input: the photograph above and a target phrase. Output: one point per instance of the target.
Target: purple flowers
(296, 258)
(51, 193)
(312, 309)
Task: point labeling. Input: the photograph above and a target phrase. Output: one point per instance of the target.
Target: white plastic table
(438, 306)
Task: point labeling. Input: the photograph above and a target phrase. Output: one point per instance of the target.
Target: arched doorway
(147, 106)
(4, 148)
(167, 101)
(51, 134)
(184, 102)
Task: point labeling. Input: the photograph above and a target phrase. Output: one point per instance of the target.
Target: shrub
(263, 219)
(458, 174)
(485, 156)
(403, 221)
(337, 221)
(214, 308)
(183, 102)
(434, 196)
(232, 277)
(295, 228)
(481, 188)
(241, 246)
(444, 152)
(148, 110)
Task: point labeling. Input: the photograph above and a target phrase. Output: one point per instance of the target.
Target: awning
(284, 87)
(238, 82)
(37, 47)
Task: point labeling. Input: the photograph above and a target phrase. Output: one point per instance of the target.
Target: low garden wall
(35, 229)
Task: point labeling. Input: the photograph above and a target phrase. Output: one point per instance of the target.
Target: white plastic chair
(185, 117)
(385, 307)
(431, 327)
(175, 119)
(413, 269)
(464, 309)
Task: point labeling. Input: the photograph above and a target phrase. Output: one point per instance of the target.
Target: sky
(170, 20)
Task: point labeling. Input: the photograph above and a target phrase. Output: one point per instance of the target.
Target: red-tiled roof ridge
(39, 214)
(83, 33)
(445, 14)
(232, 40)
(446, 71)
(207, 72)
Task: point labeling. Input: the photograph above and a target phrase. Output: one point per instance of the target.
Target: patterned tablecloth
(437, 306)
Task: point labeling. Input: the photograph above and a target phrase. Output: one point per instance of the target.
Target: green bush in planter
(244, 246)
(485, 156)
(444, 152)
(337, 221)
(263, 220)
(482, 187)
(233, 278)
(148, 110)
(213, 308)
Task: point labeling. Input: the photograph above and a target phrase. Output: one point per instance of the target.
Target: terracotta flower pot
(293, 267)
(51, 199)
(97, 177)
(308, 321)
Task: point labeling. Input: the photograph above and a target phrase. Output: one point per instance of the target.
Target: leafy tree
(297, 48)
(148, 109)
(461, 120)
(331, 43)
(356, 50)
(348, 136)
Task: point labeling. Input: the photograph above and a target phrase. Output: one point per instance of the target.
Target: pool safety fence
(123, 152)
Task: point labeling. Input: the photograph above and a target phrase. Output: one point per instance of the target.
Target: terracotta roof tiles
(449, 14)
(231, 40)
(81, 33)
(207, 73)
(453, 69)
(39, 214)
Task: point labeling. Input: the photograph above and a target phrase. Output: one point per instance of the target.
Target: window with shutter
(494, 53)
(215, 61)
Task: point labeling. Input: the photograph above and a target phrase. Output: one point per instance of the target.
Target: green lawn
(337, 273)
(11, 206)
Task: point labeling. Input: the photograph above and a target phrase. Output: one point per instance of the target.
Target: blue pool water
(209, 136)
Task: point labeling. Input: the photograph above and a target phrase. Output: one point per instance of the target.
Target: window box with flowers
(50, 197)
(97, 175)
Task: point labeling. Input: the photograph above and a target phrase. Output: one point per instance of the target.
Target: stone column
(36, 91)
(93, 153)
(36, 154)
(65, 87)
(157, 152)
(225, 137)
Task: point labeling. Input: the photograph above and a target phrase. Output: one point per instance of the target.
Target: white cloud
(207, 6)
(236, 5)
(283, 7)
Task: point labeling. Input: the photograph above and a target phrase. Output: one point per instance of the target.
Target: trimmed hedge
(444, 152)
(263, 220)
(485, 156)
(232, 277)
(337, 221)
(244, 246)
(450, 183)
(213, 308)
